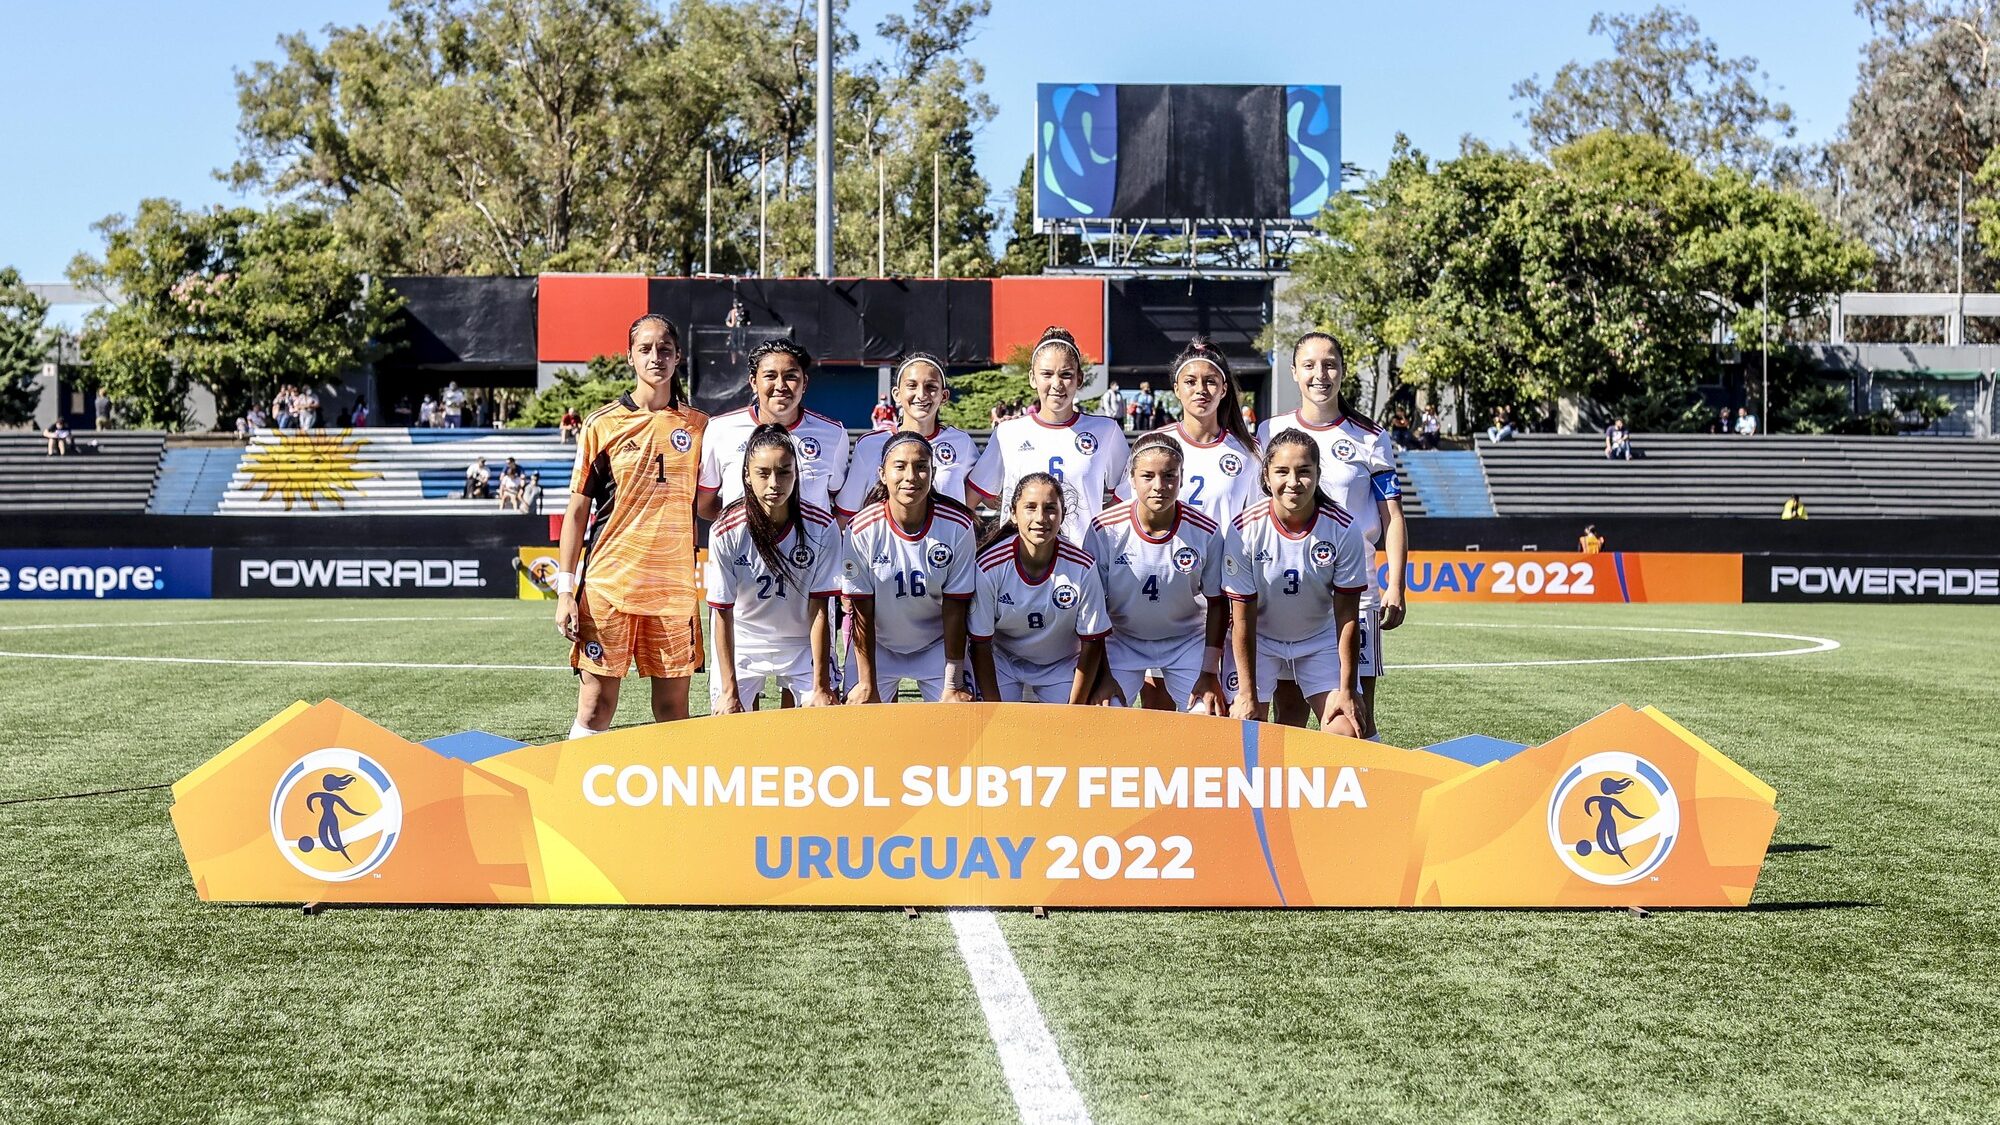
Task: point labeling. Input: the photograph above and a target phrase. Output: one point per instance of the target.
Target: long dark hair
(1004, 526)
(1230, 413)
(767, 534)
(1280, 440)
(676, 392)
(879, 491)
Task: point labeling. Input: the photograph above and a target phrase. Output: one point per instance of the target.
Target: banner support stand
(1639, 912)
(1041, 912)
(910, 912)
(311, 909)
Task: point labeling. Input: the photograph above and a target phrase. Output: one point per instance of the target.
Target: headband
(1057, 343)
(913, 361)
(904, 437)
(1201, 357)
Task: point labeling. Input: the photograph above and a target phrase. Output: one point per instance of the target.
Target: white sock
(578, 730)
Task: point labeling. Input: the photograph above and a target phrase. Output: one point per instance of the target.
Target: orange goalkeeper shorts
(610, 642)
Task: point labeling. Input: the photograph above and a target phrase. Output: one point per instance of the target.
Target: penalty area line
(1034, 1069)
(402, 665)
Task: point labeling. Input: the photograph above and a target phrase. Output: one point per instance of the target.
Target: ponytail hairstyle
(765, 534)
(778, 345)
(1056, 336)
(677, 396)
(879, 491)
(1230, 413)
(1156, 442)
(1004, 526)
(915, 359)
(1284, 439)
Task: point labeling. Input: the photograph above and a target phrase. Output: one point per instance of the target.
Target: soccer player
(1086, 452)
(908, 578)
(1358, 464)
(1219, 455)
(773, 563)
(632, 497)
(1161, 564)
(919, 393)
(1038, 622)
(1294, 569)
(779, 372)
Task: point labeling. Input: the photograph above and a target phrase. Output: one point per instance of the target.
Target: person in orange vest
(1590, 542)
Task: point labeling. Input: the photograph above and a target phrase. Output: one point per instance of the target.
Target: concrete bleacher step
(112, 471)
(193, 481)
(1453, 484)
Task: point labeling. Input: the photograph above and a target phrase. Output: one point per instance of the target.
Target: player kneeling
(1038, 622)
(773, 561)
(908, 578)
(1161, 564)
(1294, 571)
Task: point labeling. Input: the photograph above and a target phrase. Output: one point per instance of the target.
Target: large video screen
(1185, 152)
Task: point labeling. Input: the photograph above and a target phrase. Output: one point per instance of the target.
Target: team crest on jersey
(940, 555)
(1229, 682)
(1613, 819)
(335, 815)
(1344, 449)
(683, 441)
(809, 446)
(944, 452)
(593, 651)
(1065, 595)
(1185, 559)
(802, 556)
(1231, 464)
(1086, 443)
(1322, 554)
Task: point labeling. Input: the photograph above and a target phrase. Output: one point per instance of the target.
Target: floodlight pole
(1764, 331)
(763, 209)
(823, 152)
(708, 213)
(937, 205)
(881, 219)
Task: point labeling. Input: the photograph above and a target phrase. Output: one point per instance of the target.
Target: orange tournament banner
(1549, 576)
(1005, 804)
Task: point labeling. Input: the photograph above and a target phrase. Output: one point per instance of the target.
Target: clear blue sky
(109, 101)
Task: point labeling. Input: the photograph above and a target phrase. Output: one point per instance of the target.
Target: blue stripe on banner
(1257, 814)
(1618, 560)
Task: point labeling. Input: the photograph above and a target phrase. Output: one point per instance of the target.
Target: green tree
(24, 347)
(235, 300)
(601, 380)
(1026, 252)
(1666, 80)
(974, 395)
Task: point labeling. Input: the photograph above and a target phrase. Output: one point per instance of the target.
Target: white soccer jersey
(1087, 454)
(773, 612)
(1218, 479)
(953, 453)
(1357, 464)
(1037, 625)
(1157, 589)
(822, 449)
(1293, 577)
(909, 576)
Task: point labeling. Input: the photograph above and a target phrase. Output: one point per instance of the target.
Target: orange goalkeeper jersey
(639, 469)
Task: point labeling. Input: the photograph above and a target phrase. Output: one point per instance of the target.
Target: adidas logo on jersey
(1027, 447)
(881, 559)
(743, 559)
(630, 446)
(1263, 556)
(1006, 598)
(1124, 559)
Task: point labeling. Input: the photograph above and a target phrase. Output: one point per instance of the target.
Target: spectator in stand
(1617, 441)
(1399, 429)
(1429, 429)
(1140, 414)
(61, 443)
(570, 424)
(1502, 428)
(1746, 423)
(404, 414)
(1795, 509)
(1002, 410)
(427, 413)
(483, 414)
(1112, 405)
(1590, 542)
(454, 405)
(281, 408)
(511, 483)
(243, 426)
(257, 419)
(883, 416)
(1249, 404)
(1170, 410)
(306, 406)
(531, 494)
(103, 409)
(360, 419)
(477, 476)
(1726, 422)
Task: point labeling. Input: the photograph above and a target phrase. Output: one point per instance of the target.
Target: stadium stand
(111, 471)
(1449, 485)
(193, 480)
(380, 472)
(1726, 475)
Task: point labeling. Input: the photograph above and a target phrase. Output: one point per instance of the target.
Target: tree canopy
(24, 345)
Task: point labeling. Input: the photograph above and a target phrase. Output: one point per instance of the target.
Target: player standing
(1161, 564)
(1086, 452)
(779, 373)
(1219, 454)
(632, 496)
(1358, 463)
(920, 393)
(773, 564)
(908, 578)
(1294, 569)
(1038, 623)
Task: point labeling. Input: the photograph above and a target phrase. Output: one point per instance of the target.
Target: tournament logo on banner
(336, 815)
(1614, 818)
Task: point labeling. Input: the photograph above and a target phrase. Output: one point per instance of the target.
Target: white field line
(44, 626)
(1035, 1072)
(1809, 645)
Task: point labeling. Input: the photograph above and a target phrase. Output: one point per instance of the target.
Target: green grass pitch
(1863, 984)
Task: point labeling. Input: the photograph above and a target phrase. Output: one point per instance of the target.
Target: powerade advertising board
(1835, 578)
(364, 572)
(123, 573)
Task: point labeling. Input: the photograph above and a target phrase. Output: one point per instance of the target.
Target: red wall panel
(580, 316)
(1024, 306)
